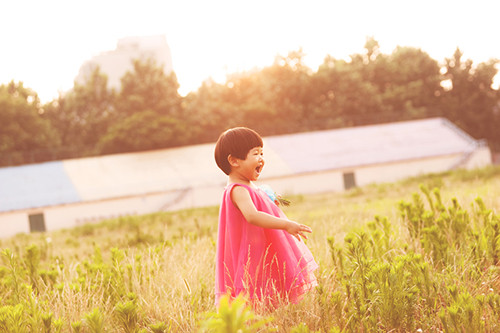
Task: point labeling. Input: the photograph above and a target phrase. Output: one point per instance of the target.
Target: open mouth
(259, 168)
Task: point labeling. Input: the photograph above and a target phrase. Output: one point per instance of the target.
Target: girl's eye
(258, 152)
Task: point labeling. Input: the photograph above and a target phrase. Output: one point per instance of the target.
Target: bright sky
(44, 43)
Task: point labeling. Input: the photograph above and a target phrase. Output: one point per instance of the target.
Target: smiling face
(249, 169)
(235, 142)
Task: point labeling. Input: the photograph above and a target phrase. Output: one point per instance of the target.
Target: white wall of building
(12, 223)
(65, 216)
(333, 180)
(479, 158)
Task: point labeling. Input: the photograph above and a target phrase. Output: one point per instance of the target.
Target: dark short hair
(237, 142)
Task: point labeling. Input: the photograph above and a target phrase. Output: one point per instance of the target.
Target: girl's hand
(297, 230)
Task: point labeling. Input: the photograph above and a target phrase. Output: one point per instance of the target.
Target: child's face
(251, 167)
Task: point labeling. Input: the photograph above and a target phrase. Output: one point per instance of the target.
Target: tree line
(286, 97)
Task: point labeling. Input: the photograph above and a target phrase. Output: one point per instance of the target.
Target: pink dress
(264, 264)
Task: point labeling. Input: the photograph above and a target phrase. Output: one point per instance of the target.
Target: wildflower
(273, 196)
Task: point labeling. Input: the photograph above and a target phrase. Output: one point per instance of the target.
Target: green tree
(408, 81)
(246, 104)
(148, 87)
(143, 131)
(471, 102)
(149, 112)
(83, 115)
(210, 111)
(344, 94)
(286, 88)
(373, 87)
(272, 100)
(25, 136)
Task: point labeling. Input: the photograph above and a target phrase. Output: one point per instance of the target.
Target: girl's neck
(232, 179)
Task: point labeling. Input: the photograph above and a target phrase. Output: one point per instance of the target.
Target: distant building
(63, 194)
(117, 62)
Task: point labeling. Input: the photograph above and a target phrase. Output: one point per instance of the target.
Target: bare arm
(241, 198)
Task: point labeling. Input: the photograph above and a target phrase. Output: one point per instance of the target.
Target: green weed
(390, 260)
(94, 321)
(233, 316)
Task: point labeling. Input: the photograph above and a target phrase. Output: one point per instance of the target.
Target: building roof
(368, 145)
(35, 185)
(132, 174)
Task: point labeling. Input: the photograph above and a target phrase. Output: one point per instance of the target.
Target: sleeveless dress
(264, 264)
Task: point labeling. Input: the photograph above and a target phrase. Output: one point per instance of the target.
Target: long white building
(63, 194)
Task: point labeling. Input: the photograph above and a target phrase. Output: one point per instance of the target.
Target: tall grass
(422, 254)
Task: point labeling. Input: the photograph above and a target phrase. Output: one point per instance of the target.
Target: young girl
(259, 251)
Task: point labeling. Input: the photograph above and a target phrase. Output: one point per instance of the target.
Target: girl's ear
(233, 161)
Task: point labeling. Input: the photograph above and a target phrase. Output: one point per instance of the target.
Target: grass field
(392, 257)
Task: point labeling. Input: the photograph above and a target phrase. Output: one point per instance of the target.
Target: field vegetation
(418, 255)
